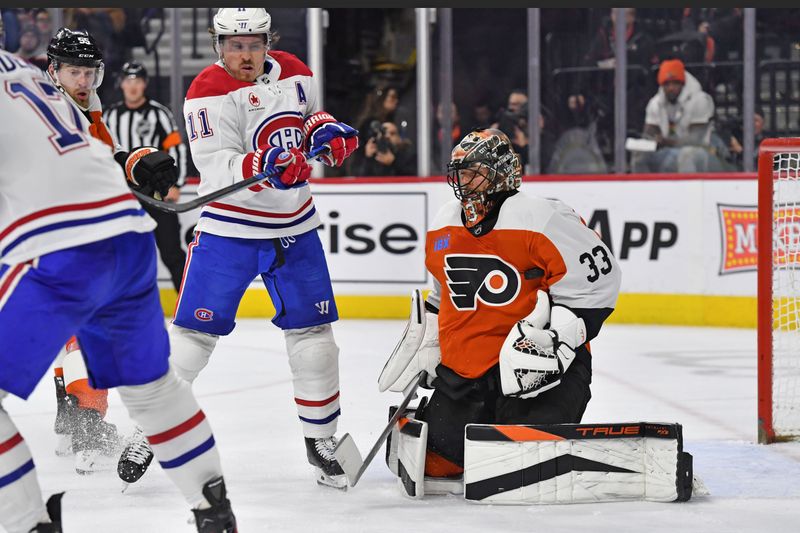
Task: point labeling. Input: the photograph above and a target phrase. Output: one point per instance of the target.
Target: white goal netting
(786, 295)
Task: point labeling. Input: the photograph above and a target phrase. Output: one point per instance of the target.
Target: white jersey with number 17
(59, 187)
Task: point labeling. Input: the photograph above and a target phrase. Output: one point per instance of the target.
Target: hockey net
(779, 290)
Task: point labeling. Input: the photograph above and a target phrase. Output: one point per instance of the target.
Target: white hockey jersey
(226, 121)
(59, 187)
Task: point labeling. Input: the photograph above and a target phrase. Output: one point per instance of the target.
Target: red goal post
(779, 290)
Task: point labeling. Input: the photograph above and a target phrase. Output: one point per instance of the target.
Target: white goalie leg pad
(21, 505)
(576, 463)
(314, 360)
(394, 437)
(412, 443)
(417, 350)
(190, 351)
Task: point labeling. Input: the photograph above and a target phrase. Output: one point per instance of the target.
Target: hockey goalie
(521, 285)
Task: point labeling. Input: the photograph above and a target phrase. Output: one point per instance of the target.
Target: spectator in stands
(721, 27)
(678, 118)
(513, 121)
(482, 115)
(638, 44)
(731, 138)
(44, 25)
(386, 153)
(30, 47)
(381, 105)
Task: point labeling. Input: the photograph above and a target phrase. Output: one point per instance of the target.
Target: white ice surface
(703, 378)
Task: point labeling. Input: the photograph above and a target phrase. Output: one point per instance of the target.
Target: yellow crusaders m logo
(480, 277)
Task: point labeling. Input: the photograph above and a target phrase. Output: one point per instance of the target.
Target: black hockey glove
(150, 170)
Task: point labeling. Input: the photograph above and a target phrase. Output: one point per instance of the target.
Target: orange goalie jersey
(486, 277)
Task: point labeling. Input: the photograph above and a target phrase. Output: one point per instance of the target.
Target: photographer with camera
(513, 121)
(386, 153)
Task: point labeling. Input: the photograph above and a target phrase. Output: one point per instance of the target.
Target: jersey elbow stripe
(321, 421)
(188, 456)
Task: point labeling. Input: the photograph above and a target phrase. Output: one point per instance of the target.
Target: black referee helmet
(133, 69)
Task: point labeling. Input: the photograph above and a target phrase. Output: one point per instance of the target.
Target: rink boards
(686, 243)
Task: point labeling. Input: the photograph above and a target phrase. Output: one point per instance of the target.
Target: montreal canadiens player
(521, 285)
(78, 258)
(75, 66)
(255, 110)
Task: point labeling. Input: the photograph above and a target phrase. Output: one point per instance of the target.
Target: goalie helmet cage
(779, 290)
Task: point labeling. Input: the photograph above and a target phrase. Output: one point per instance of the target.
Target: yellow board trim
(666, 309)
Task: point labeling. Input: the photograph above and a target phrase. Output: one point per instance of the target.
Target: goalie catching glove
(417, 350)
(539, 349)
(149, 170)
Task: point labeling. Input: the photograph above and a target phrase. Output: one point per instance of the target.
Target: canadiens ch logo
(255, 101)
(480, 277)
(281, 129)
(203, 314)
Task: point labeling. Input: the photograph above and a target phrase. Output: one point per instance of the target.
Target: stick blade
(348, 456)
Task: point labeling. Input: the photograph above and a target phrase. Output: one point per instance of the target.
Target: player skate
(54, 512)
(65, 419)
(94, 441)
(218, 518)
(328, 470)
(135, 458)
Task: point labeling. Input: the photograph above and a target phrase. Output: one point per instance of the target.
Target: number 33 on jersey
(484, 286)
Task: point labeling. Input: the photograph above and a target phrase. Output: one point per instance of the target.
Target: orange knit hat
(671, 69)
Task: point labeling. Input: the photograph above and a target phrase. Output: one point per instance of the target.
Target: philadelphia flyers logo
(480, 277)
(281, 129)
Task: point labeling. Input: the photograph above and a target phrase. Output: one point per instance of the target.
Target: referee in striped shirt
(139, 121)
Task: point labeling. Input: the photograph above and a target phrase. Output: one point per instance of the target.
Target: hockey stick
(200, 201)
(346, 451)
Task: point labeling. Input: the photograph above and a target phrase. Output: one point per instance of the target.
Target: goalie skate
(327, 469)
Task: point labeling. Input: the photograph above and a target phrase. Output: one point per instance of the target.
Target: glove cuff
(312, 122)
(133, 157)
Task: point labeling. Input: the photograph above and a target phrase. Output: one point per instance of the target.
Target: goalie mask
(241, 21)
(482, 165)
(75, 48)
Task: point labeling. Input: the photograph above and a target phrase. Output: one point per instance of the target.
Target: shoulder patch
(290, 64)
(214, 81)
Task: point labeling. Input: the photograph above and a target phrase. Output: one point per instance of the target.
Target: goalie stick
(200, 201)
(346, 451)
